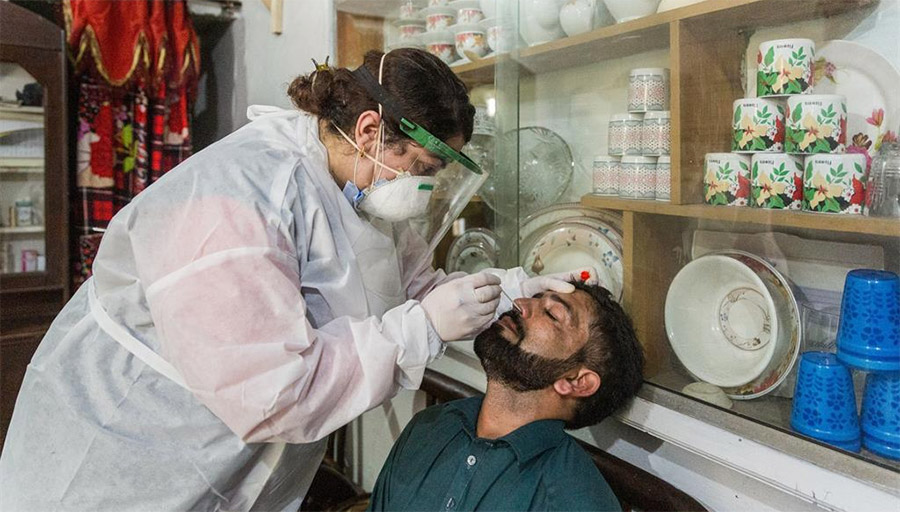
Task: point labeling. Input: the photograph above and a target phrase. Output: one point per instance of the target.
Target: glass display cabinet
(33, 190)
(716, 161)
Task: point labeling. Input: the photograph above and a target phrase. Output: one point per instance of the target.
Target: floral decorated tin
(726, 179)
(777, 181)
(835, 184)
(785, 66)
(757, 125)
(816, 124)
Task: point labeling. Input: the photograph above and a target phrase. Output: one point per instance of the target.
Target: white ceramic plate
(567, 246)
(473, 251)
(714, 305)
(870, 84)
(554, 213)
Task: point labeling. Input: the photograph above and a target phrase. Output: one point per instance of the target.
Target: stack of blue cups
(869, 340)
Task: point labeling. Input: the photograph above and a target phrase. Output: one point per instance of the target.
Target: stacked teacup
(638, 163)
(455, 31)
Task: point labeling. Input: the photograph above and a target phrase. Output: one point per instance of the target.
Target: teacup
(777, 181)
(835, 183)
(625, 134)
(441, 45)
(757, 125)
(410, 29)
(648, 89)
(470, 40)
(816, 123)
(439, 18)
(606, 175)
(637, 177)
(726, 179)
(785, 66)
(494, 31)
(467, 11)
(655, 133)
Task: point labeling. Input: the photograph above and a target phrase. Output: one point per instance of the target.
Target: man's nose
(526, 306)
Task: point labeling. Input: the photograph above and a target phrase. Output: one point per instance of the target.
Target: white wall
(272, 61)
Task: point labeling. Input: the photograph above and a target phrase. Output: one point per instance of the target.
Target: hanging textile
(136, 65)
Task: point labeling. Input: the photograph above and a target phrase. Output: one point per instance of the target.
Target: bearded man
(564, 361)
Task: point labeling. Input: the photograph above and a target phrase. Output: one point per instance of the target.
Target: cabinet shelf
(794, 219)
(18, 163)
(653, 33)
(33, 114)
(23, 230)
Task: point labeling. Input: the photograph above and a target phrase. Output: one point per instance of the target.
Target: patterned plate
(567, 246)
(473, 251)
(869, 82)
(558, 212)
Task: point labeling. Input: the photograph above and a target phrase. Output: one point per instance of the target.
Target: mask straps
(379, 151)
(360, 152)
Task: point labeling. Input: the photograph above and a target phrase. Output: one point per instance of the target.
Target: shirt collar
(527, 441)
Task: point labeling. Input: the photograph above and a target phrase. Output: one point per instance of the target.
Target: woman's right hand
(463, 307)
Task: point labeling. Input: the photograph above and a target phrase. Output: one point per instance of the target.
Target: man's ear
(582, 383)
(367, 128)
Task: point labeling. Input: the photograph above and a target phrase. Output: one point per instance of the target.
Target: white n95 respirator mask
(402, 198)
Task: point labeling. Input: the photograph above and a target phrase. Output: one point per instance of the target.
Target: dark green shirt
(438, 463)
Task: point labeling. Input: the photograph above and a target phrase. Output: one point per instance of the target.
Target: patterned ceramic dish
(568, 245)
(473, 251)
(788, 334)
(611, 222)
(869, 82)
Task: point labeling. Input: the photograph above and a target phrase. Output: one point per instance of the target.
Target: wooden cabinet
(34, 165)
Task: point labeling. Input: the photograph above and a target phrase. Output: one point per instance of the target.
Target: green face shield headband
(414, 131)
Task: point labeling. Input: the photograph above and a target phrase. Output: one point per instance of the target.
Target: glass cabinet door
(712, 159)
(22, 140)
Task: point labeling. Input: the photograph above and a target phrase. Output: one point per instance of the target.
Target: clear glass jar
(883, 187)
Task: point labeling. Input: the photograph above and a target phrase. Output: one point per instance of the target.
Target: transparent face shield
(422, 201)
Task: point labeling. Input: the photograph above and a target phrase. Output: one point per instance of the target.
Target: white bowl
(627, 10)
(540, 21)
(577, 17)
(721, 320)
(788, 335)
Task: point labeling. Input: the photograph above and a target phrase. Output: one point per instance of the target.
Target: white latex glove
(559, 283)
(461, 308)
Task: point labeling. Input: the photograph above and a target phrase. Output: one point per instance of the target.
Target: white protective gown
(280, 309)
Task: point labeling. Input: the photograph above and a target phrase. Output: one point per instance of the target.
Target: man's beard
(508, 363)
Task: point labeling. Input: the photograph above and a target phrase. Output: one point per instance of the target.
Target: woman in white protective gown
(265, 292)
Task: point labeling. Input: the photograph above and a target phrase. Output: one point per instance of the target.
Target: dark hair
(613, 351)
(423, 86)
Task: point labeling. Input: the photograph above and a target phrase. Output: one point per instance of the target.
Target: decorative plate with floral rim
(567, 246)
(870, 84)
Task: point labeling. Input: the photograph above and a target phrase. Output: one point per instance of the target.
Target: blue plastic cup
(824, 401)
(869, 331)
(881, 414)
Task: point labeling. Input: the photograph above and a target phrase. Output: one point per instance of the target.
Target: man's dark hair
(613, 351)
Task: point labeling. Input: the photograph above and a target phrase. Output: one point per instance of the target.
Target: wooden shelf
(652, 33)
(23, 230)
(480, 71)
(34, 114)
(21, 162)
(806, 220)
